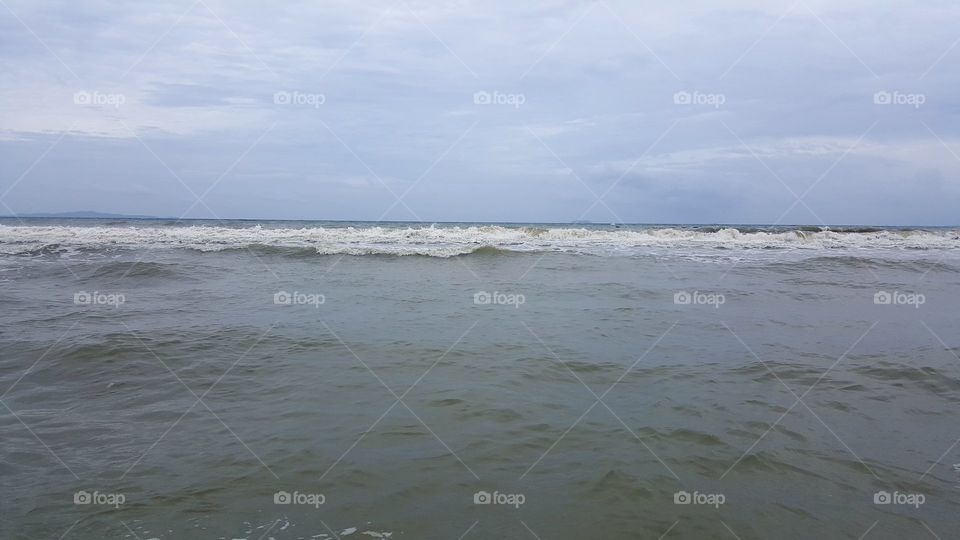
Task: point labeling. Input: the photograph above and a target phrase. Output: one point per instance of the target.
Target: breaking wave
(448, 241)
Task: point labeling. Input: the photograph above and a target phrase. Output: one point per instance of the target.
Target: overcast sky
(759, 111)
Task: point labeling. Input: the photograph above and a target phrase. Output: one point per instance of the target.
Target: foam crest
(447, 241)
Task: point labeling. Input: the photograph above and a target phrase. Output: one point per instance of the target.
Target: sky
(743, 111)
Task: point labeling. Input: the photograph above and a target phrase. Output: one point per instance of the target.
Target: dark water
(195, 398)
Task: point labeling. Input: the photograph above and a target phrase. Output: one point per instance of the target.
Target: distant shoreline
(99, 216)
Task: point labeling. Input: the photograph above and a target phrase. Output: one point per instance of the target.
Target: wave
(450, 241)
(138, 269)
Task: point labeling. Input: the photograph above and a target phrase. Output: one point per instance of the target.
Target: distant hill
(83, 214)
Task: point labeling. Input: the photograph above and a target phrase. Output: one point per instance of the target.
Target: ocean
(318, 380)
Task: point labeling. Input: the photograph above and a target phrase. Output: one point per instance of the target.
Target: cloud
(387, 90)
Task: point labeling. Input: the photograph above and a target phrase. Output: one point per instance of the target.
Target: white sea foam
(446, 241)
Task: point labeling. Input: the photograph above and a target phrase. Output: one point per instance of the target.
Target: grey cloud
(398, 90)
